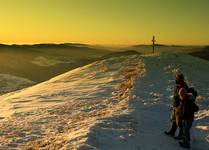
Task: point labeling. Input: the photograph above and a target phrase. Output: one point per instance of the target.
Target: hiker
(189, 108)
(176, 112)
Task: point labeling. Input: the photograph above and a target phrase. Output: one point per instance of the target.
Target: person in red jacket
(182, 96)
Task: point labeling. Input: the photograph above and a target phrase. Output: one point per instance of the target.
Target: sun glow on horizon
(104, 22)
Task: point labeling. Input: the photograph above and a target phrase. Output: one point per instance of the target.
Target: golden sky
(105, 21)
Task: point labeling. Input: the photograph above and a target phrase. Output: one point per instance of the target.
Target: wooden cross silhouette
(153, 44)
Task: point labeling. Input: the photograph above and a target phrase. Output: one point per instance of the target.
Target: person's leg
(180, 125)
(186, 133)
(172, 130)
(174, 124)
(188, 126)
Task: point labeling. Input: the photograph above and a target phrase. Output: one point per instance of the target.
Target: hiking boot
(169, 133)
(184, 145)
(178, 137)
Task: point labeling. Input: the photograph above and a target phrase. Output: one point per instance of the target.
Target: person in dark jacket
(176, 112)
(189, 108)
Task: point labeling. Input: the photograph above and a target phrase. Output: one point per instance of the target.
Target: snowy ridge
(154, 97)
(142, 127)
(61, 112)
(121, 103)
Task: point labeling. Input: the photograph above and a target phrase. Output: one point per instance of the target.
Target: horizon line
(99, 44)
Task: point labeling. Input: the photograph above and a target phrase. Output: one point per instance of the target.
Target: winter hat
(180, 77)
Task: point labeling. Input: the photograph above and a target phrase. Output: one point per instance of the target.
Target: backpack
(194, 106)
(191, 94)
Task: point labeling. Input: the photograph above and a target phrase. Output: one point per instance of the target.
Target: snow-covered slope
(102, 106)
(60, 112)
(149, 110)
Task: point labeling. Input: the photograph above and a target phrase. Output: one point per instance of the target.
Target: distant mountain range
(40, 62)
(143, 48)
(45, 45)
(204, 53)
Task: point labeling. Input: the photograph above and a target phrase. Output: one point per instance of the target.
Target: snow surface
(121, 103)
